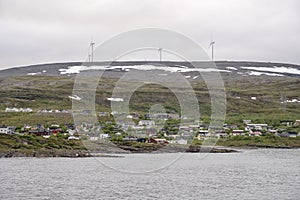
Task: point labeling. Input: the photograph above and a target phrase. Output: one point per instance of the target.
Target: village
(162, 128)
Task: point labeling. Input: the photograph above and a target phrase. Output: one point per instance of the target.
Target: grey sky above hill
(35, 31)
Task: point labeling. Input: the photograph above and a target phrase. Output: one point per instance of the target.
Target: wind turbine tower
(211, 45)
(91, 55)
(160, 53)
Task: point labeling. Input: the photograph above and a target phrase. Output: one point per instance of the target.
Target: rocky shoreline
(118, 150)
(114, 152)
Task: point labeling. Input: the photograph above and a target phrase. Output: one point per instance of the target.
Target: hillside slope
(46, 87)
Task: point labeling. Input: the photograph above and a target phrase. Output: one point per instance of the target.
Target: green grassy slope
(50, 92)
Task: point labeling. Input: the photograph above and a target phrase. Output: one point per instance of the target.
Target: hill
(263, 92)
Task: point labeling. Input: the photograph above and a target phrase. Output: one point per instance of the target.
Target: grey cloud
(34, 31)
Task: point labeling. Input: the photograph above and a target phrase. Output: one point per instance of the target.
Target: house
(18, 110)
(184, 128)
(148, 123)
(104, 136)
(293, 134)
(26, 110)
(171, 136)
(39, 132)
(131, 139)
(161, 116)
(187, 135)
(194, 127)
(12, 110)
(173, 116)
(273, 131)
(259, 127)
(158, 141)
(7, 129)
(118, 134)
(103, 114)
(255, 133)
(73, 138)
(94, 138)
(237, 132)
(232, 126)
(203, 132)
(151, 131)
(287, 122)
(135, 115)
(221, 134)
(86, 112)
(126, 125)
(246, 121)
(71, 131)
(179, 141)
(46, 111)
(143, 140)
(114, 113)
(61, 111)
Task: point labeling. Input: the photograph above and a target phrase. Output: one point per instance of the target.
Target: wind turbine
(211, 45)
(91, 55)
(160, 53)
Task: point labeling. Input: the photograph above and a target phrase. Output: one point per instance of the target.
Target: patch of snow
(77, 69)
(253, 98)
(231, 68)
(195, 77)
(275, 69)
(71, 70)
(255, 73)
(31, 74)
(163, 74)
(187, 76)
(293, 101)
(75, 97)
(115, 99)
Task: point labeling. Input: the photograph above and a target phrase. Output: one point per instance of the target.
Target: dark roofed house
(40, 132)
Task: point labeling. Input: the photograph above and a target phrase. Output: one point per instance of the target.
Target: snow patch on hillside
(275, 69)
(78, 69)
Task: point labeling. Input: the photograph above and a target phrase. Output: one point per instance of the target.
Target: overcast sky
(40, 31)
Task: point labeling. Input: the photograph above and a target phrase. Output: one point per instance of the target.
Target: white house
(148, 123)
(7, 129)
(104, 136)
(257, 127)
(12, 110)
(237, 132)
(94, 138)
(25, 110)
(73, 138)
(18, 110)
(181, 141)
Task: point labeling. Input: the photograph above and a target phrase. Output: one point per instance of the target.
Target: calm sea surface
(252, 174)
